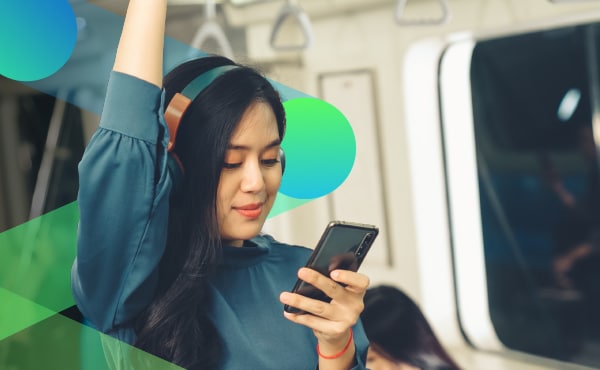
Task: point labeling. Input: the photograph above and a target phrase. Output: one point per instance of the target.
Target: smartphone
(343, 245)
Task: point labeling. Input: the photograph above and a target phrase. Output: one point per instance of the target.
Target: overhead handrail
(400, 20)
(292, 9)
(210, 28)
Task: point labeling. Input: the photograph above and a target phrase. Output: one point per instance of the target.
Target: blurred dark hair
(175, 326)
(398, 330)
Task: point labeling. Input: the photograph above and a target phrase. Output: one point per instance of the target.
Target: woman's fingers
(328, 328)
(354, 281)
(329, 320)
(347, 300)
(313, 306)
(321, 282)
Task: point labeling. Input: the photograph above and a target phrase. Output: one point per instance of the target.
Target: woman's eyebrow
(272, 144)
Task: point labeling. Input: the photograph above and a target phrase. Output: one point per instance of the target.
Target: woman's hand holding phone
(328, 295)
(330, 322)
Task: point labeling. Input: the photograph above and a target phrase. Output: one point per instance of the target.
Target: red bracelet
(339, 354)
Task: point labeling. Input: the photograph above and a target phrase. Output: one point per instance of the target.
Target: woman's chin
(243, 233)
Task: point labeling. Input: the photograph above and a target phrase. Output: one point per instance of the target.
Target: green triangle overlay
(61, 343)
(17, 313)
(36, 258)
(35, 267)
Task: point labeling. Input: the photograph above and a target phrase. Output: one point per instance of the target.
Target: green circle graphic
(320, 148)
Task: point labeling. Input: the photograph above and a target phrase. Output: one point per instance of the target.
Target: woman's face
(250, 177)
(375, 361)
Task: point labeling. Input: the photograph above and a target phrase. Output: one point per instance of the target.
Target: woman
(400, 336)
(169, 253)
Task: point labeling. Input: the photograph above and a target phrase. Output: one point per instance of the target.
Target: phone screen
(343, 245)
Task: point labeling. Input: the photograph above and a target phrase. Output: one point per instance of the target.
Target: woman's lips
(250, 210)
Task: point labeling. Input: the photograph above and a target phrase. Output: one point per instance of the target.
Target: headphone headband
(175, 111)
(181, 101)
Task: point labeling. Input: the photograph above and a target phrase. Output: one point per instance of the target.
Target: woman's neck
(233, 243)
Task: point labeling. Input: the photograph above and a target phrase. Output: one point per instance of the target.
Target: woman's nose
(252, 180)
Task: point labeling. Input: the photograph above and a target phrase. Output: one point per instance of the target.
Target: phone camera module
(359, 251)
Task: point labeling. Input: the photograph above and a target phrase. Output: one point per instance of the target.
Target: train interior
(502, 215)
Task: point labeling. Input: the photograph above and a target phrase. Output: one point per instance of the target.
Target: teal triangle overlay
(283, 203)
(89, 68)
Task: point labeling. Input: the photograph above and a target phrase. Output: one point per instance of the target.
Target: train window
(533, 98)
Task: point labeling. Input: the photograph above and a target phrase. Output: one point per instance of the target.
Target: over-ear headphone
(175, 111)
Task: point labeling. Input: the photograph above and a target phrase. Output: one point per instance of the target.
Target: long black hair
(397, 329)
(175, 326)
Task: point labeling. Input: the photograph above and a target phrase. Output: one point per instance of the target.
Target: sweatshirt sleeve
(123, 203)
(362, 345)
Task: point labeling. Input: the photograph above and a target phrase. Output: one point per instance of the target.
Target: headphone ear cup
(176, 172)
(282, 160)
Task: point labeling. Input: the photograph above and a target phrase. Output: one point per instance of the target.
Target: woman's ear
(282, 160)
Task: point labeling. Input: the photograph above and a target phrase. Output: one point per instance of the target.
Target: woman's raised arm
(123, 183)
(140, 50)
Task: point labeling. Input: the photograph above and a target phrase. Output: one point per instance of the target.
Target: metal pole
(44, 176)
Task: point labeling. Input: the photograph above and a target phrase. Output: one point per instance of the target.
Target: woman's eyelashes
(264, 162)
(231, 166)
(270, 162)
